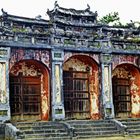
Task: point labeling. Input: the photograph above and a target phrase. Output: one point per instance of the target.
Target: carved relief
(68, 55)
(121, 73)
(75, 64)
(24, 69)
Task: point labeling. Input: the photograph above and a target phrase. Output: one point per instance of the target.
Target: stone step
(95, 129)
(40, 127)
(133, 126)
(54, 138)
(44, 131)
(98, 132)
(129, 119)
(131, 123)
(45, 135)
(87, 122)
(134, 130)
(106, 136)
(58, 130)
(37, 124)
(92, 125)
(134, 120)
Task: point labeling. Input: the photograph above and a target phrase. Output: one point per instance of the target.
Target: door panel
(76, 94)
(25, 97)
(122, 98)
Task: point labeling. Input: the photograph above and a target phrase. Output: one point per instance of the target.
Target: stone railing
(2, 131)
(11, 132)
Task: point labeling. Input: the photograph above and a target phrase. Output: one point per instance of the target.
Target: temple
(68, 67)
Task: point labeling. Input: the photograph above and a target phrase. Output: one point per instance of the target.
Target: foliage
(114, 19)
(111, 17)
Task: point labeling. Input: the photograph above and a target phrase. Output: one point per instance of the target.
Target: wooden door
(122, 98)
(76, 95)
(25, 98)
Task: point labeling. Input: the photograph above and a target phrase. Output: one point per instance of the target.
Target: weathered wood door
(76, 94)
(122, 98)
(25, 98)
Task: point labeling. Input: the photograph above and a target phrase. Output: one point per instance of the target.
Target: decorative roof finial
(38, 17)
(4, 13)
(56, 4)
(88, 7)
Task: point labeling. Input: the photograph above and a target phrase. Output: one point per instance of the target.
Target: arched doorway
(126, 81)
(29, 91)
(81, 88)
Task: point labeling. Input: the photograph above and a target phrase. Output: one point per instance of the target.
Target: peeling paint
(130, 72)
(57, 82)
(25, 54)
(122, 59)
(33, 68)
(3, 96)
(80, 63)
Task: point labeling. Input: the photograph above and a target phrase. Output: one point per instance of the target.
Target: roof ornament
(88, 8)
(3, 12)
(56, 4)
(38, 17)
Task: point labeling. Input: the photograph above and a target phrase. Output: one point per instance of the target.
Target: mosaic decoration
(22, 54)
(70, 54)
(121, 73)
(3, 98)
(75, 64)
(121, 59)
(26, 70)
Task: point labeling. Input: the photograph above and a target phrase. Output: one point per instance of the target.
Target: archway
(81, 88)
(29, 91)
(126, 91)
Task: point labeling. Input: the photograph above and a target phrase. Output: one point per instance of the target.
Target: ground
(117, 138)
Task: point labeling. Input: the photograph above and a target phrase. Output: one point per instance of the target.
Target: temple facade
(68, 67)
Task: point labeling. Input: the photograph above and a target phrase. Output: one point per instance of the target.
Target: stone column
(4, 84)
(107, 96)
(57, 85)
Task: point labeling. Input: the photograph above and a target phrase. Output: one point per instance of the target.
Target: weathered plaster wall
(125, 69)
(3, 96)
(122, 59)
(34, 68)
(80, 63)
(23, 54)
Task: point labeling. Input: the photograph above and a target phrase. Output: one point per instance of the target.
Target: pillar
(107, 96)
(57, 85)
(4, 84)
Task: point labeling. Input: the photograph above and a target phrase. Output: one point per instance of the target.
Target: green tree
(111, 18)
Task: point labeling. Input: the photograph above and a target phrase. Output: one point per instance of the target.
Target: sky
(127, 9)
